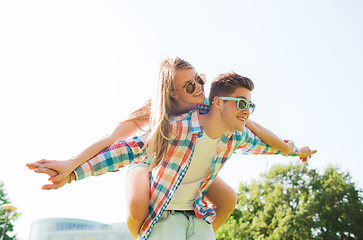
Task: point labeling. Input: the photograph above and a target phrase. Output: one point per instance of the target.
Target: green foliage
(293, 202)
(9, 227)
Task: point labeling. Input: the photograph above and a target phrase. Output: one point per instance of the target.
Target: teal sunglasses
(242, 104)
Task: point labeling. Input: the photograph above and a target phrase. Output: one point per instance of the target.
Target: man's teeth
(242, 119)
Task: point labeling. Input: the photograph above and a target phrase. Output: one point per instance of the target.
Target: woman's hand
(57, 170)
(305, 153)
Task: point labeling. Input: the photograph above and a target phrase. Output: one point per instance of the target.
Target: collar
(195, 124)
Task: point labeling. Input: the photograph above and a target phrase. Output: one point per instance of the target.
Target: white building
(77, 229)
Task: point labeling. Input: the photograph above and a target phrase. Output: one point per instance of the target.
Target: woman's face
(184, 81)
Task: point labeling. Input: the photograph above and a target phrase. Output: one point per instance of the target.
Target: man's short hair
(225, 84)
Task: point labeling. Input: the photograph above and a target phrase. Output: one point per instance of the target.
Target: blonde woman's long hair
(141, 116)
(163, 105)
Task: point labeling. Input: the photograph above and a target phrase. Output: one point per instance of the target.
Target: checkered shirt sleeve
(251, 144)
(113, 157)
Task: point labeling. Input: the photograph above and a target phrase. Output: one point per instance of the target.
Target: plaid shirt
(167, 177)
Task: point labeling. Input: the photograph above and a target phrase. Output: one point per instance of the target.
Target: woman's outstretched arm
(63, 168)
(58, 170)
(270, 138)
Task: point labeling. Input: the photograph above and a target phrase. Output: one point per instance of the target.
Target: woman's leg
(224, 198)
(137, 198)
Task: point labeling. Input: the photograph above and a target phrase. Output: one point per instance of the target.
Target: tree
(293, 202)
(9, 227)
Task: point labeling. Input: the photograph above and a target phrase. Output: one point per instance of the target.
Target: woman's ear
(174, 95)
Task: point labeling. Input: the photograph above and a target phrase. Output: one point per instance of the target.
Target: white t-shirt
(202, 160)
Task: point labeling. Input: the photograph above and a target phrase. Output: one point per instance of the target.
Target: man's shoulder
(245, 133)
(189, 121)
(181, 117)
(186, 116)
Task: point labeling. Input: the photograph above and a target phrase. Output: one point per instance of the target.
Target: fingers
(48, 171)
(46, 168)
(49, 165)
(44, 161)
(310, 152)
(54, 185)
(306, 153)
(33, 165)
(36, 164)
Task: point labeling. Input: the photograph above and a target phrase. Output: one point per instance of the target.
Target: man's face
(234, 118)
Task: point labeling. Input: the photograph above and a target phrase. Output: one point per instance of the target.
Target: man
(178, 184)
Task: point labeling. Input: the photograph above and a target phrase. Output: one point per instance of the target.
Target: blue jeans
(181, 226)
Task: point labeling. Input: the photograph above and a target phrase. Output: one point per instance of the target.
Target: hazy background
(71, 70)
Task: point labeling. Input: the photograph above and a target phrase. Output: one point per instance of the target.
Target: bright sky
(71, 70)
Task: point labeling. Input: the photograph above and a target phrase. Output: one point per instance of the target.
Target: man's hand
(289, 149)
(59, 184)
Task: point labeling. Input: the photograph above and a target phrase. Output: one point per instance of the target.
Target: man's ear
(217, 102)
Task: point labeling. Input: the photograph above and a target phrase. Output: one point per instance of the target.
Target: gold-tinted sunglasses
(190, 86)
